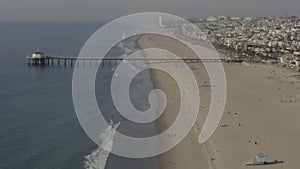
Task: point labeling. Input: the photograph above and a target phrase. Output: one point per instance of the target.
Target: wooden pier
(70, 61)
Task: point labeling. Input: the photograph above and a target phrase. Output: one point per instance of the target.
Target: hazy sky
(104, 10)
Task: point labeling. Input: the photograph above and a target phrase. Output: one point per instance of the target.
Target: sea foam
(97, 159)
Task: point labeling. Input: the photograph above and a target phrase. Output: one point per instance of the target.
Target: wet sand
(261, 115)
(189, 153)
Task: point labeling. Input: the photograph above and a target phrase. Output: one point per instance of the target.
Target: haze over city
(94, 10)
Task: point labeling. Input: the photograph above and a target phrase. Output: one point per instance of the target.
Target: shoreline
(188, 153)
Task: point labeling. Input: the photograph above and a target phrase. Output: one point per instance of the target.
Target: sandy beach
(261, 115)
(264, 106)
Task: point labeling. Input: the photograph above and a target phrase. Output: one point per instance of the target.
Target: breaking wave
(97, 159)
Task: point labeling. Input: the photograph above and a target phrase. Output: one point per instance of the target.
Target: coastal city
(111, 88)
(268, 39)
(149, 84)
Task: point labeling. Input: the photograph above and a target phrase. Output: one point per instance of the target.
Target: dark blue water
(38, 126)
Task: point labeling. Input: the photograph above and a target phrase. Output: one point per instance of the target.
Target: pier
(40, 59)
(70, 61)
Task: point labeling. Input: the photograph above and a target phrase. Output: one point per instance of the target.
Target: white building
(248, 18)
(297, 61)
(222, 17)
(38, 54)
(211, 19)
(235, 18)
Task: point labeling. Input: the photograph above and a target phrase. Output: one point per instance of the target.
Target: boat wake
(97, 159)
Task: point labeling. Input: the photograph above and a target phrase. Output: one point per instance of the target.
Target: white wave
(98, 158)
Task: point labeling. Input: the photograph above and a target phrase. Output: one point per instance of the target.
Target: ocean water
(38, 126)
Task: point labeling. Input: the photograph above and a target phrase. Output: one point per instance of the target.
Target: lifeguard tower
(258, 160)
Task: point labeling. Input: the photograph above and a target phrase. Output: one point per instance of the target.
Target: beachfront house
(288, 59)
